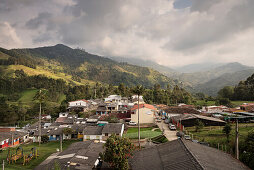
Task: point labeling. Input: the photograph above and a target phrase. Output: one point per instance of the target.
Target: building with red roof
(147, 113)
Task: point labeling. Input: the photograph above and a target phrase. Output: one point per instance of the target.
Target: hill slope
(228, 79)
(78, 67)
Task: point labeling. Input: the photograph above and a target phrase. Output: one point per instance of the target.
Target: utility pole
(94, 92)
(3, 164)
(236, 140)
(138, 125)
(61, 143)
(40, 122)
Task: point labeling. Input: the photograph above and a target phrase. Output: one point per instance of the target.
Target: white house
(92, 133)
(147, 113)
(63, 114)
(214, 109)
(112, 128)
(81, 102)
(113, 99)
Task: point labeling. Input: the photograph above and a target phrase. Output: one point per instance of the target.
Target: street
(169, 134)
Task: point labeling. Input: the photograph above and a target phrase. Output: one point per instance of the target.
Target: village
(163, 128)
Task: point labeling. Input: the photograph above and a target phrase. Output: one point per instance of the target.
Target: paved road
(170, 135)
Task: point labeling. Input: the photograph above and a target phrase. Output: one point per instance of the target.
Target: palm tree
(138, 90)
(41, 96)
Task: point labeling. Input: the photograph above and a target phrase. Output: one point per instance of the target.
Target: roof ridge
(194, 158)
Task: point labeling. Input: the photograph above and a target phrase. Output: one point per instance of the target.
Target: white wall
(144, 116)
(92, 137)
(78, 103)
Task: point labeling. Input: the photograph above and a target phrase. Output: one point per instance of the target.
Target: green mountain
(76, 66)
(228, 79)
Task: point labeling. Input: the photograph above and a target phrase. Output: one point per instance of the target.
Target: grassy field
(44, 151)
(28, 95)
(210, 103)
(132, 133)
(214, 135)
(203, 102)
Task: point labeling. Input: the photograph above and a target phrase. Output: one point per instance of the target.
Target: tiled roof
(80, 100)
(93, 130)
(112, 128)
(142, 106)
(71, 158)
(180, 154)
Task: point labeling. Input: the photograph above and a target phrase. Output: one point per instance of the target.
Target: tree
(68, 131)
(41, 96)
(247, 150)
(139, 90)
(227, 129)
(44, 138)
(199, 125)
(226, 92)
(118, 150)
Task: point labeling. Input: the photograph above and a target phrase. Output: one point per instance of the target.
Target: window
(106, 134)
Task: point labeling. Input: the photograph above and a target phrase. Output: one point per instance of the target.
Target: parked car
(172, 127)
(204, 143)
(166, 121)
(195, 141)
(158, 120)
(132, 123)
(163, 117)
(187, 137)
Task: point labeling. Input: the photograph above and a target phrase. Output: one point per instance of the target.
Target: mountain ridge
(81, 66)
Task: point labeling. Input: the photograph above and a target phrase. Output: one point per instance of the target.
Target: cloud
(8, 36)
(170, 32)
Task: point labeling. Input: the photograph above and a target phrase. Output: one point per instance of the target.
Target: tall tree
(117, 151)
(41, 96)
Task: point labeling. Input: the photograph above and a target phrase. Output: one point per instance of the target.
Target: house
(46, 125)
(188, 120)
(76, 103)
(12, 138)
(146, 111)
(214, 109)
(247, 107)
(134, 99)
(112, 99)
(79, 155)
(112, 128)
(183, 154)
(63, 114)
(92, 132)
(45, 117)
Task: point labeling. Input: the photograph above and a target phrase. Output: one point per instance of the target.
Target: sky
(170, 32)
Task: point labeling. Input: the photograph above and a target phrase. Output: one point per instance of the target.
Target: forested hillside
(78, 67)
(243, 91)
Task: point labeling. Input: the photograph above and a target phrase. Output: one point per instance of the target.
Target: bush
(44, 139)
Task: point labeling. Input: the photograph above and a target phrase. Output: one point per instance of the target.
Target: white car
(172, 127)
(132, 123)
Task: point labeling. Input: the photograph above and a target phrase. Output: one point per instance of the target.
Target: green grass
(132, 133)
(237, 103)
(215, 135)
(28, 95)
(203, 103)
(61, 98)
(44, 151)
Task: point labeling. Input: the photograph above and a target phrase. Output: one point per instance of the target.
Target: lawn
(28, 95)
(132, 133)
(203, 103)
(210, 103)
(215, 135)
(44, 151)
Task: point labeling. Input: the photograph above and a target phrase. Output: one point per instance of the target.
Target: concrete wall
(92, 137)
(144, 116)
